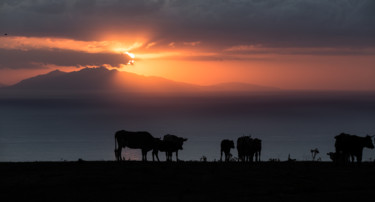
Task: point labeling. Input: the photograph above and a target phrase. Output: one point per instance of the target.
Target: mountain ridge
(102, 79)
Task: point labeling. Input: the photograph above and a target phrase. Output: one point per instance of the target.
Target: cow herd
(348, 147)
(146, 142)
(247, 147)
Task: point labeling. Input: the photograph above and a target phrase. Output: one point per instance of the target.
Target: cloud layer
(273, 22)
(211, 24)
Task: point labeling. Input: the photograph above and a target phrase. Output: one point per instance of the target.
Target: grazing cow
(225, 147)
(170, 144)
(351, 146)
(248, 147)
(136, 140)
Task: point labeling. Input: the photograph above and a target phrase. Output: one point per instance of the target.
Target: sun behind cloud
(131, 58)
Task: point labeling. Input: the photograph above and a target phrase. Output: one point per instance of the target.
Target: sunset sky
(290, 44)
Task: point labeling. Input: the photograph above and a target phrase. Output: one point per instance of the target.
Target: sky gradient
(290, 44)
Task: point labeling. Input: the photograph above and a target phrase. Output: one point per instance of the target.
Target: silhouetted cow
(351, 146)
(225, 147)
(242, 147)
(170, 144)
(257, 148)
(136, 140)
(248, 147)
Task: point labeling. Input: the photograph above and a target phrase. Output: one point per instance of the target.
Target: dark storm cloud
(215, 23)
(18, 59)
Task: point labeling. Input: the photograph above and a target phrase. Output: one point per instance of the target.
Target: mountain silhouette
(102, 79)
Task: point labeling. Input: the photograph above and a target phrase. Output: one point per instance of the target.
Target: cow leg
(118, 154)
(167, 156)
(221, 155)
(122, 158)
(155, 152)
(359, 157)
(177, 156)
(144, 155)
(227, 155)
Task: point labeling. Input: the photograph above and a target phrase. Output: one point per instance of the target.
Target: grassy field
(185, 181)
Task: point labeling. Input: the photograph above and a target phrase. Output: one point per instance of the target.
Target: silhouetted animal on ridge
(170, 144)
(243, 144)
(248, 147)
(257, 148)
(136, 140)
(225, 147)
(347, 146)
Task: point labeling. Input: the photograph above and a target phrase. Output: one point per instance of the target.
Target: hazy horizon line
(277, 89)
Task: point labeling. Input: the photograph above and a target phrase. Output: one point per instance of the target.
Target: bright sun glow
(132, 56)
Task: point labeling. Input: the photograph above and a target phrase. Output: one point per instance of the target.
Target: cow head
(181, 142)
(368, 142)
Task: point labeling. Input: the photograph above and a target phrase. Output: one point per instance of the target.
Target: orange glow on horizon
(285, 71)
(190, 62)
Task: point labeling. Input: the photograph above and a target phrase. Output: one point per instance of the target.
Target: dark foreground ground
(185, 181)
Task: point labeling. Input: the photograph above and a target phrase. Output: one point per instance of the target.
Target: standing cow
(170, 144)
(257, 148)
(136, 140)
(347, 146)
(225, 147)
(247, 147)
(243, 148)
